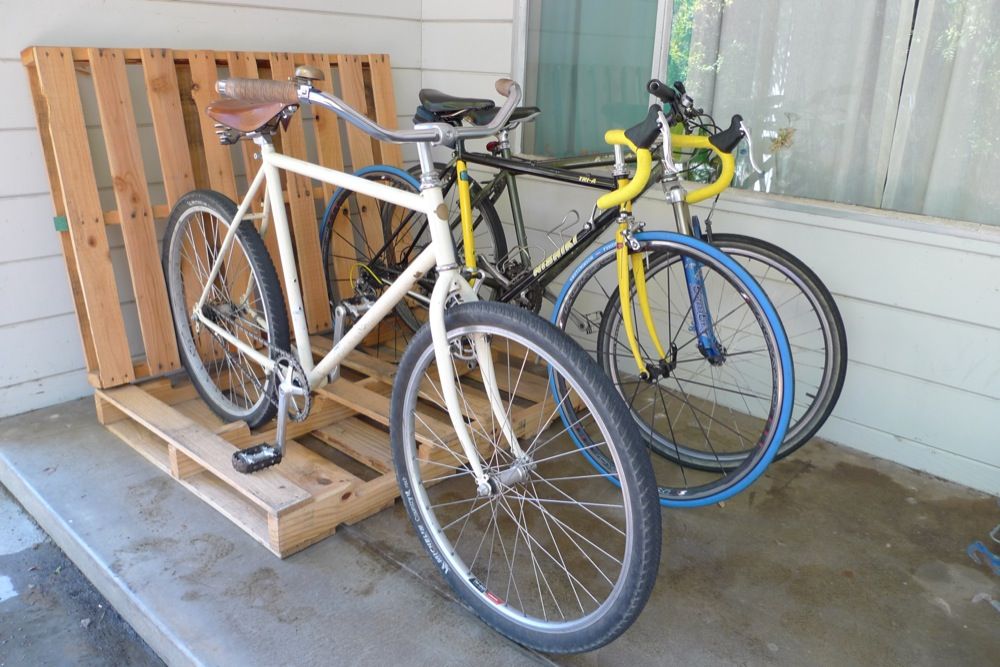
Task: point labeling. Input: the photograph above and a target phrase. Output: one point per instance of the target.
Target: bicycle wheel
(244, 300)
(716, 422)
(366, 243)
(812, 323)
(553, 556)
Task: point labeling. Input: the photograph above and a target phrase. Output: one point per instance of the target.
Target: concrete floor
(50, 614)
(831, 558)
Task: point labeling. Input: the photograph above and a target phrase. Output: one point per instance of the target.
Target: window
(587, 64)
(889, 104)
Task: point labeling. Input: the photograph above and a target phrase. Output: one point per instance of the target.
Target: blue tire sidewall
(781, 341)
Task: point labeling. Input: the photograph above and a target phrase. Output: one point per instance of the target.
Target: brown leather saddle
(246, 115)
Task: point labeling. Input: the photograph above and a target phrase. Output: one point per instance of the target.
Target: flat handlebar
(290, 92)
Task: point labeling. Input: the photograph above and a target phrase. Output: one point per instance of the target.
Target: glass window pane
(588, 62)
(817, 82)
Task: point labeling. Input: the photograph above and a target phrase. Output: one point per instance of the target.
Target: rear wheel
(244, 300)
(552, 556)
(367, 243)
(813, 324)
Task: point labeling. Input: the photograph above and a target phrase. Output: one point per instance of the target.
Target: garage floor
(832, 558)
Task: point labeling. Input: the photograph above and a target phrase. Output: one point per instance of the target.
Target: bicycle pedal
(256, 458)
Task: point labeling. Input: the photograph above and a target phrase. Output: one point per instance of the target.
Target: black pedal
(256, 458)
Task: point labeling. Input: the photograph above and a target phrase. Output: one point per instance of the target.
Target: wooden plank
(128, 176)
(163, 93)
(182, 465)
(359, 440)
(303, 213)
(268, 489)
(314, 473)
(376, 406)
(218, 158)
(326, 123)
(352, 88)
(150, 446)
(71, 153)
(385, 106)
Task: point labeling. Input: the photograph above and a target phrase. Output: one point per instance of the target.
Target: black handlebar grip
(664, 92)
(727, 140)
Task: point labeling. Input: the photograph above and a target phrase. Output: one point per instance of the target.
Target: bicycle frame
(440, 254)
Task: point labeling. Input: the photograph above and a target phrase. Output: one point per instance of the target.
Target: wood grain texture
(121, 137)
(82, 208)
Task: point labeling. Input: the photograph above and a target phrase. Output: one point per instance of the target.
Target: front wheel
(552, 556)
(715, 417)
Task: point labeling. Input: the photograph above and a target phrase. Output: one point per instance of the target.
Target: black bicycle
(807, 309)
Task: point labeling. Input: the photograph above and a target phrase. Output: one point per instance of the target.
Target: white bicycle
(540, 546)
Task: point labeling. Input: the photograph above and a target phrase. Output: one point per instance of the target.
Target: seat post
(428, 173)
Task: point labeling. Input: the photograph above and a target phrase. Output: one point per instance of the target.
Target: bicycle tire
(387, 257)
(815, 397)
(232, 385)
(697, 392)
(588, 523)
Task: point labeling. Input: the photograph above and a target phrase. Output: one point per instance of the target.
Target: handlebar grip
(503, 86)
(679, 87)
(259, 90)
(665, 93)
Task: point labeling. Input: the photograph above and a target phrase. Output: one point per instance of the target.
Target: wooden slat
(204, 74)
(352, 88)
(325, 123)
(359, 440)
(303, 213)
(128, 176)
(385, 106)
(164, 97)
(376, 406)
(71, 154)
(268, 488)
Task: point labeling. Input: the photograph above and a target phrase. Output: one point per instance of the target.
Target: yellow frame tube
(621, 258)
(465, 205)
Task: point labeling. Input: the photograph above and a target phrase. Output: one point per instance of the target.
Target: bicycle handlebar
(643, 168)
(290, 92)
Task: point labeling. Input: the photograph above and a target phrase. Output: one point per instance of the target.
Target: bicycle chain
(299, 377)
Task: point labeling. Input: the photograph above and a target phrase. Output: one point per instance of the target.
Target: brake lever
(750, 152)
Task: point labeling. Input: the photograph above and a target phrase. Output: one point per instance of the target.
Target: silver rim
(516, 549)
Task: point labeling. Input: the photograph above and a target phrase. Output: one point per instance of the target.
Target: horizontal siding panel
(33, 290)
(948, 419)
(43, 392)
(974, 474)
(126, 23)
(467, 47)
(383, 8)
(26, 228)
(39, 348)
(23, 169)
(17, 109)
(445, 10)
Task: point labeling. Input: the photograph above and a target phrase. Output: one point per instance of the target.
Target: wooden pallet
(139, 396)
(175, 87)
(337, 467)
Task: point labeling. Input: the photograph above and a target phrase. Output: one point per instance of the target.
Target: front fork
(450, 281)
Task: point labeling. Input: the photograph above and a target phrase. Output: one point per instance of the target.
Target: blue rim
(361, 173)
(781, 340)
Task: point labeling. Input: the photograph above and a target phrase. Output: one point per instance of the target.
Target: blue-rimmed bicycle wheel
(714, 419)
